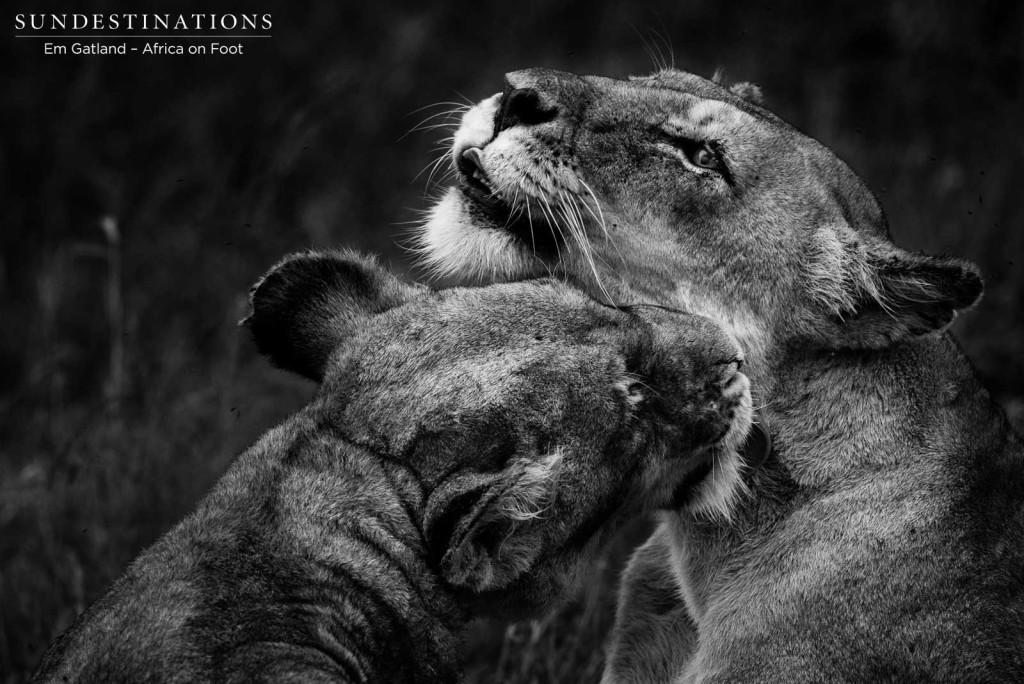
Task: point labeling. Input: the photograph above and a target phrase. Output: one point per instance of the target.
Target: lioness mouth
(754, 451)
(758, 445)
(476, 178)
(512, 215)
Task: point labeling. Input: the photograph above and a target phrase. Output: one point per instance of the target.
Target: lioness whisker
(433, 126)
(578, 231)
(438, 173)
(652, 50)
(666, 39)
(464, 106)
(449, 117)
(545, 209)
(597, 205)
(585, 245)
(635, 379)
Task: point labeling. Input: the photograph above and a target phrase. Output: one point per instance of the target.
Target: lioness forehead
(697, 86)
(681, 81)
(686, 101)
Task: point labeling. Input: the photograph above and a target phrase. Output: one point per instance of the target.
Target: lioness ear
(498, 539)
(310, 303)
(750, 92)
(902, 295)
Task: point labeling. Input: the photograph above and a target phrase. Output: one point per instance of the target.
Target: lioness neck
(836, 412)
(352, 518)
(301, 562)
(332, 576)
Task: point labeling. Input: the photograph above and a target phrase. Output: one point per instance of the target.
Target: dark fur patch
(307, 305)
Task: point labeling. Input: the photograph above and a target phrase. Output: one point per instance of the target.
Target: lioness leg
(653, 635)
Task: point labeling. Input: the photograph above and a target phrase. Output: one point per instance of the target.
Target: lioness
(884, 536)
(467, 453)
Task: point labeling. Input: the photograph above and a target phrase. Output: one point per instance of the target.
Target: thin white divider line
(136, 36)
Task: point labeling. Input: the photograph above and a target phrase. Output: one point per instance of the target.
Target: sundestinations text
(143, 22)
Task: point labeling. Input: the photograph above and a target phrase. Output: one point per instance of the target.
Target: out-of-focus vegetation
(143, 194)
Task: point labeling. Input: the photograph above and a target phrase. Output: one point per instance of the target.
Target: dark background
(125, 387)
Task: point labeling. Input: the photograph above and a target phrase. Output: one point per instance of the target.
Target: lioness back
(884, 536)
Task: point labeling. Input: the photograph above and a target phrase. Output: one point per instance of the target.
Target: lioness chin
(884, 537)
(467, 454)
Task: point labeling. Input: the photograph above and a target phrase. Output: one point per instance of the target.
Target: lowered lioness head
(466, 454)
(674, 189)
(531, 418)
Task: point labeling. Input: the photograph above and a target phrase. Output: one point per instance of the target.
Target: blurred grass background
(142, 195)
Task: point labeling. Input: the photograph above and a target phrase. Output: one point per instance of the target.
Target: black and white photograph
(669, 342)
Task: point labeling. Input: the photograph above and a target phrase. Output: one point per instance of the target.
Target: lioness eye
(699, 153)
(705, 158)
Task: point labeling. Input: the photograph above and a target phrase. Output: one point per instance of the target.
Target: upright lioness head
(526, 419)
(676, 190)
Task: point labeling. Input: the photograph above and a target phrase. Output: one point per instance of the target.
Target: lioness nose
(728, 369)
(530, 97)
(523, 106)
